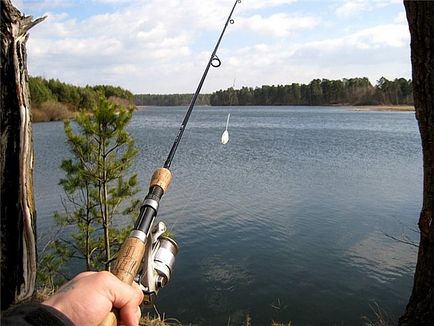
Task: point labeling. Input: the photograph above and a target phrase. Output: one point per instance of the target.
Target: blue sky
(162, 46)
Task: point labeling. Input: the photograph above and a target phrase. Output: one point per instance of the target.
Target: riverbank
(387, 108)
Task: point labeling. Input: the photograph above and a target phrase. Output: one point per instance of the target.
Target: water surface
(285, 222)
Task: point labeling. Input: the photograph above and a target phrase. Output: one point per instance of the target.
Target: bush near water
(53, 100)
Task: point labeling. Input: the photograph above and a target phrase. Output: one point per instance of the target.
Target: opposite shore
(60, 112)
(387, 108)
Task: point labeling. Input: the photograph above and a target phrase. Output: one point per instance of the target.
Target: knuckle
(104, 276)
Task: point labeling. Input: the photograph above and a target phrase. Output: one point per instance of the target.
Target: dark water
(285, 222)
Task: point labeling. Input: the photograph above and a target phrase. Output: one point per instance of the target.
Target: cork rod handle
(133, 249)
(126, 267)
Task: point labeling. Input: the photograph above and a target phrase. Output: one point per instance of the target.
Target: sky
(163, 46)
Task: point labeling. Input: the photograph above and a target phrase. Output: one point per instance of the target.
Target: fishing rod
(147, 255)
(213, 61)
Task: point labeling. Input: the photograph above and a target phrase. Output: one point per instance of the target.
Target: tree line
(54, 100)
(353, 91)
(170, 99)
(43, 90)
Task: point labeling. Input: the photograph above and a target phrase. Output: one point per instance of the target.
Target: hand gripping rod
(131, 254)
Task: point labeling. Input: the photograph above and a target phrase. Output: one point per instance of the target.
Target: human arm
(34, 314)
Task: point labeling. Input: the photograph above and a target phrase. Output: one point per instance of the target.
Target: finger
(130, 313)
(124, 297)
(138, 317)
(138, 314)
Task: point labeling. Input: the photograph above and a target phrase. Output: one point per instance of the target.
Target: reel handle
(131, 254)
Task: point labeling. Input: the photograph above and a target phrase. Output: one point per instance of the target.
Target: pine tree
(98, 186)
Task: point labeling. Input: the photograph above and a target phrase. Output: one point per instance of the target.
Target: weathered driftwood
(18, 216)
(420, 15)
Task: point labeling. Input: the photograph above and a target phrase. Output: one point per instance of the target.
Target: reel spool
(157, 265)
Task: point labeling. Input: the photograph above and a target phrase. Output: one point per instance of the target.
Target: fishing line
(213, 61)
(190, 195)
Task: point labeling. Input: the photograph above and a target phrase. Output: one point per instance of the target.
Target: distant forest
(54, 100)
(353, 91)
(170, 99)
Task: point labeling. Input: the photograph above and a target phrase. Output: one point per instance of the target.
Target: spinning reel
(157, 264)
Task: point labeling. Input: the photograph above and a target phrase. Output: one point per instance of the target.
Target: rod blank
(212, 62)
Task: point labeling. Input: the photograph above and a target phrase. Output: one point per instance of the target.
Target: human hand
(90, 296)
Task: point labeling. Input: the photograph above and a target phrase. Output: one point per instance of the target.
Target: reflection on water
(381, 258)
(285, 222)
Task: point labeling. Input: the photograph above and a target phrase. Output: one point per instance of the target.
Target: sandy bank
(396, 108)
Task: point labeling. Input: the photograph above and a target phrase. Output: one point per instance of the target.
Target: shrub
(51, 111)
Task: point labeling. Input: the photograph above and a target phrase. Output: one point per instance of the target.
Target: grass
(51, 111)
(42, 294)
(57, 111)
(150, 321)
(381, 318)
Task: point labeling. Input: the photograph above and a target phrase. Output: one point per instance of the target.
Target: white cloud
(351, 7)
(260, 4)
(277, 25)
(390, 35)
(381, 36)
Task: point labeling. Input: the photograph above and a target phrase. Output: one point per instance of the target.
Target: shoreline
(40, 115)
(383, 108)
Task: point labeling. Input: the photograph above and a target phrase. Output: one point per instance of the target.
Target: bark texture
(420, 16)
(18, 216)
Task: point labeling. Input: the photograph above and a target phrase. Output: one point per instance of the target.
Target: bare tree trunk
(420, 16)
(18, 245)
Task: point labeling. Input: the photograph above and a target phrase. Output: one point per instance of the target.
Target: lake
(287, 222)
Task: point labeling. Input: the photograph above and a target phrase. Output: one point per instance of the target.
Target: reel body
(157, 264)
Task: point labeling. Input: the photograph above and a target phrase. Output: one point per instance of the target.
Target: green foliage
(170, 99)
(98, 187)
(49, 271)
(73, 97)
(112, 91)
(353, 91)
(39, 91)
